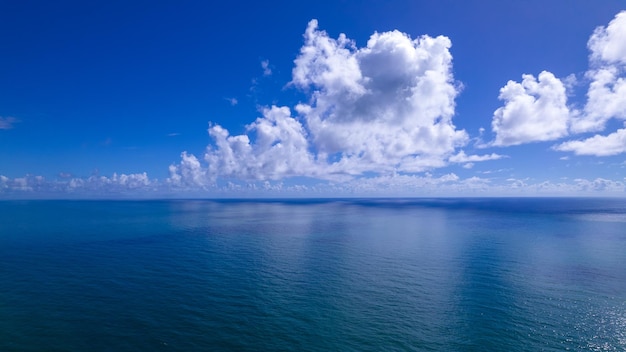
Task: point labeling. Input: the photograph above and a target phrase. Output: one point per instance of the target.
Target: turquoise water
(319, 275)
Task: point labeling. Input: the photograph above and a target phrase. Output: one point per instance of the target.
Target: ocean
(483, 274)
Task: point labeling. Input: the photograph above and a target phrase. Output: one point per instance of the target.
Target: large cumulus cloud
(382, 108)
(388, 105)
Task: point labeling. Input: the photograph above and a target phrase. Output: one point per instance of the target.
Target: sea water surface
(313, 275)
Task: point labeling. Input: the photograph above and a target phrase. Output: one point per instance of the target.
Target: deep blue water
(319, 275)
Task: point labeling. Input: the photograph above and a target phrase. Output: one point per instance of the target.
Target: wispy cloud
(461, 157)
(598, 145)
(265, 65)
(6, 123)
(232, 101)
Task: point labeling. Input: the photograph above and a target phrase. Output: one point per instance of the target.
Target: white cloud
(140, 185)
(606, 100)
(607, 90)
(461, 157)
(28, 183)
(188, 173)
(4, 182)
(606, 97)
(383, 108)
(534, 110)
(451, 184)
(132, 180)
(396, 185)
(38, 186)
(6, 123)
(116, 183)
(612, 144)
(267, 71)
(600, 185)
(608, 44)
(280, 149)
(386, 106)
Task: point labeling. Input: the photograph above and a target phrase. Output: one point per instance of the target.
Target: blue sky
(328, 98)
